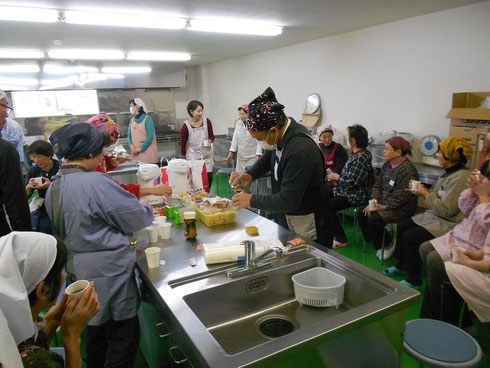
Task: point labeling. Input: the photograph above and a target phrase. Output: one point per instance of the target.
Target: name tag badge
(329, 162)
(392, 182)
(441, 193)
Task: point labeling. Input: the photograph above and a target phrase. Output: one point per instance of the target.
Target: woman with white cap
(247, 147)
(31, 275)
(334, 153)
(141, 133)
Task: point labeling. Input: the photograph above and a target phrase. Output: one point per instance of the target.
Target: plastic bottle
(190, 225)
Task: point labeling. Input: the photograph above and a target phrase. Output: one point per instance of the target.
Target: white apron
(195, 146)
(246, 148)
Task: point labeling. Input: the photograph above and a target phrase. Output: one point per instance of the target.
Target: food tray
(219, 218)
(319, 287)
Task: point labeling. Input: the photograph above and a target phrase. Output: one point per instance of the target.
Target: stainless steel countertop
(177, 251)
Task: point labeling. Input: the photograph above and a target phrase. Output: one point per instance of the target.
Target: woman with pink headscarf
(247, 148)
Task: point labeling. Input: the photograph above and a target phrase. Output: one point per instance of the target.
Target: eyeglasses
(7, 107)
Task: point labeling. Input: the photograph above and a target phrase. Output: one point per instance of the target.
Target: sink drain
(272, 327)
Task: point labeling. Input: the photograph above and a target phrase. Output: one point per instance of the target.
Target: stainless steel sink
(243, 313)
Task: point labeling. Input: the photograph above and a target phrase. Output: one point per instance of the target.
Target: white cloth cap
(141, 103)
(25, 260)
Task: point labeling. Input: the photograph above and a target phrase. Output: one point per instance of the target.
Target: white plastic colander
(319, 287)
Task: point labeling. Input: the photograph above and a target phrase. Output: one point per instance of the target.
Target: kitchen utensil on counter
(149, 176)
(178, 175)
(319, 287)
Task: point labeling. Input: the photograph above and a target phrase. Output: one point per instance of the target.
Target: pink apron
(139, 135)
(195, 145)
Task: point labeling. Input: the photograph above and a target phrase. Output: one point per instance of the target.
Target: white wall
(399, 75)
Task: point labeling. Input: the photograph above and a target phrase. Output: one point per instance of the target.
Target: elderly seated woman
(468, 274)
(443, 213)
(31, 275)
(392, 201)
(470, 234)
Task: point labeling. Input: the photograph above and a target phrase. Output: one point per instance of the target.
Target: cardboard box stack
(470, 122)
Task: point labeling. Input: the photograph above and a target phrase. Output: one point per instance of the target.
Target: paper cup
(76, 289)
(415, 184)
(205, 143)
(165, 230)
(38, 181)
(159, 220)
(153, 257)
(456, 251)
(372, 204)
(153, 233)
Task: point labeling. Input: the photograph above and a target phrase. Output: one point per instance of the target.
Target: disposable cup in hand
(415, 184)
(153, 257)
(153, 233)
(456, 251)
(372, 204)
(76, 289)
(206, 143)
(165, 230)
(38, 181)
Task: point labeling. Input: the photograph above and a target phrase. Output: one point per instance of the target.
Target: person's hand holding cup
(77, 289)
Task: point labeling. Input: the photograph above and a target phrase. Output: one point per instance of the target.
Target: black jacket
(300, 174)
(12, 192)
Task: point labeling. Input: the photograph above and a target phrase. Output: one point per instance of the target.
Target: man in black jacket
(297, 171)
(13, 199)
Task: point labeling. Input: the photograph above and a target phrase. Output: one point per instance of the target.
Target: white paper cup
(372, 204)
(153, 257)
(165, 230)
(415, 184)
(153, 233)
(38, 181)
(205, 143)
(456, 251)
(159, 220)
(76, 289)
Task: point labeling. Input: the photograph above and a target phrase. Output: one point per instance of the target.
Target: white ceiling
(303, 20)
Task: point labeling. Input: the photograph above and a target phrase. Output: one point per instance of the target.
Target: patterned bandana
(450, 146)
(105, 125)
(400, 143)
(264, 112)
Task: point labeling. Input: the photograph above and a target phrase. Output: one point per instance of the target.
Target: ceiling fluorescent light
(60, 81)
(158, 56)
(13, 68)
(123, 20)
(64, 69)
(19, 81)
(236, 27)
(21, 54)
(14, 13)
(127, 70)
(81, 54)
(7, 87)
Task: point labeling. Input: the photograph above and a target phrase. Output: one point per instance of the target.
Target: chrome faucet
(252, 262)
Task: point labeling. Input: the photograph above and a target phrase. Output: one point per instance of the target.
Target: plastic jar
(190, 225)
